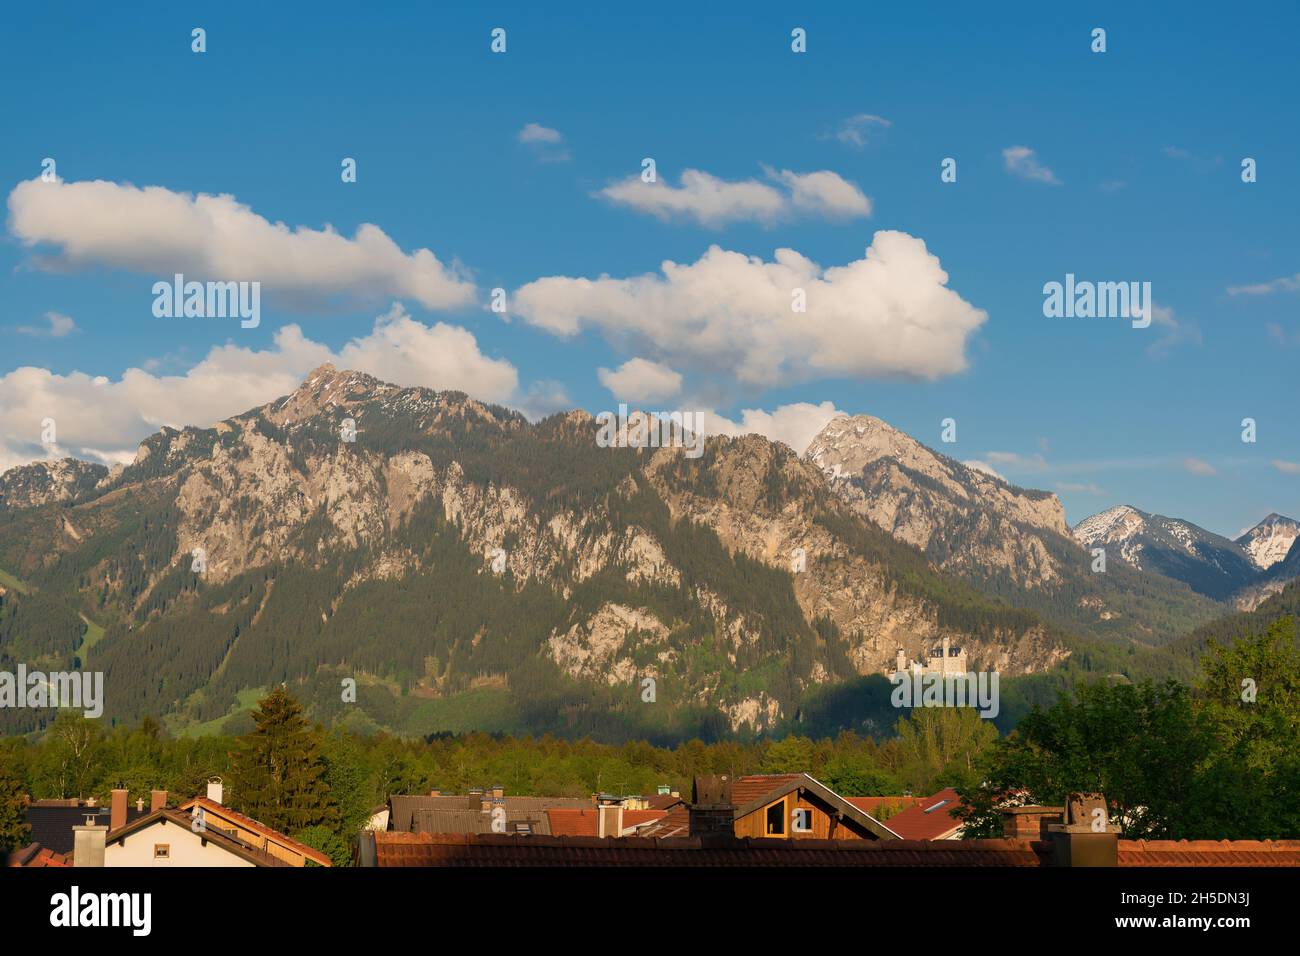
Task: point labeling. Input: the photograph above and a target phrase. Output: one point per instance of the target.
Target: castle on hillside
(944, 659)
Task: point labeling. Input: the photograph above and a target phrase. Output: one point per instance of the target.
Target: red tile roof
(569, 822)
(928, 818)
(1209, 852)
(395, 849)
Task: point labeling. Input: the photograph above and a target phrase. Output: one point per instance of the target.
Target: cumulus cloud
(103, 419)
(889, 313)
(57, 325)
(796, 424)
(1020, 161)
(824, 194)
(640, 380)
(714, 202)
(158, 232)
(856, 130)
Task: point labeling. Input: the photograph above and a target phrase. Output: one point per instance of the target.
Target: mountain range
(468, 568)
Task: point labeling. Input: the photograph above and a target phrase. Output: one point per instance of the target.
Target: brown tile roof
(570, 822)
(37, 856)
(1209, 852)
(219, 810)
(676, 823)
(927, 819)
(756, 787)
(488, 850)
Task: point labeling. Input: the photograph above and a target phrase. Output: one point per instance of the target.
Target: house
(793, 806)
(479, 811)
(201, 832)
(930, 818)
(250, 832)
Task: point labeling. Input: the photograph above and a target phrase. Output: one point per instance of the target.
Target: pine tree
(279, 776)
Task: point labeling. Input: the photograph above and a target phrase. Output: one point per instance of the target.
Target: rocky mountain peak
(1270, 540)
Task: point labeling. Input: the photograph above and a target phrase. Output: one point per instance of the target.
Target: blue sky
(1138, 154)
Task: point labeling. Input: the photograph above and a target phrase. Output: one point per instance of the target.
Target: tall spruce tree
(279, 775)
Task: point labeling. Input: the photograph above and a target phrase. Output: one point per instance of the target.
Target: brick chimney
(88, 845)
(498, 793)
(117, 809)
(157, 800)
(711, 811)
(1029, 823)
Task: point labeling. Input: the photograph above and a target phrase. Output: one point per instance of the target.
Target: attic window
(162, 851)
(776, 819)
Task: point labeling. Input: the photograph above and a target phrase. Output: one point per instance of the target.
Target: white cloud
(57, 325)
(1196, 466)
(796, 424)
(640, 380)
(984, 467)
(546, 143)
(158, 232)
(887, 314)
(708, 200)
(1283, 284)
(537, 133)
(1021, 161)
(856, 130)
(714, 202)
(1287, 467)
(104, 419)
(824, 194)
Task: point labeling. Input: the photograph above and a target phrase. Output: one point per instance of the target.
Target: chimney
(117, 812)
(1029, 823)
(214, 790)
(1087, 837)
(609, 818)
(158, 798)
(435, 793)
(712, 814)
(498, 793)
(88, 845)
(139, 804)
